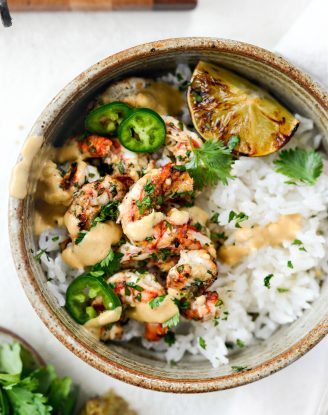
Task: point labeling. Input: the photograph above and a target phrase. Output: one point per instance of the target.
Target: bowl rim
(19, 250)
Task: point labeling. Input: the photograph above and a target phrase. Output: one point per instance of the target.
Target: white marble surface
(40, 54)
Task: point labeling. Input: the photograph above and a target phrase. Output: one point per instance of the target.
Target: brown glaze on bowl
(130, 362)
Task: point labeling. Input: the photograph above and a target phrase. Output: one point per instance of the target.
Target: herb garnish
(108, 266)
(39, 254)
(121, 167)
(240, 343)
(290, 264)
(298, 164)
(267, 280)
(107, 212)
(215, 218)
(169, 338)
(173, 321)
(55, 238)
(210, 164)
(300, 245)
(233, 141)
(202, 343)
(238, 369)
(155, 302)
(282, 290)
(238, 217)
(80, 237)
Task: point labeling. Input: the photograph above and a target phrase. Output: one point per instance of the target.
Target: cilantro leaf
(80, 237)
(202, 343)
(155, 302)
(238, 217)
(299, 164)
(107, 212)
(173, 321)
(108, 265)
(267, 280)
(233, 141)
(211, 163)
(169, 338)
(238, 369)
(10, 359)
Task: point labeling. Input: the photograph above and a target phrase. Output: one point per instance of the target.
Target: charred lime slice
(224, 105)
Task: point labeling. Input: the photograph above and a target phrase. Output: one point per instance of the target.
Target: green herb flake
(39, 254)
(169, 338)
(202, 343)
(240, 343)
(55, 238)
(155, 302)
(282, 290)
(300, 245)
(197, 96)
(233, 142)
(238, 369)
(290, 264)
(267, 280)
(107, 212)
(121, 167)
(80, 237)
(215, 218)
(237, 217)
(173, 321)
(298, 164)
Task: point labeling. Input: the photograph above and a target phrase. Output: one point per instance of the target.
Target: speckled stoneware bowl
(130, 362)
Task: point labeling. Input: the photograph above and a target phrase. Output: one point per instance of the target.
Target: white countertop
(38, 56)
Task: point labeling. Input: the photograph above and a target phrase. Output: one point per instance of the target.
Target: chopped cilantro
(215, 218)
(80, 237)
(110, 264)
(121, 167)
(39, 254)
(300, 245)
(107, 212)
(282, 290)
(240, 343)
(233, 141)
(144, 204)
(169, 338)
(237, 217)
(155, 302)
(267, 280)
(290, 264)
(55, 238)
(173, 321)
(238, 369)
(202, 343)
(134, 286)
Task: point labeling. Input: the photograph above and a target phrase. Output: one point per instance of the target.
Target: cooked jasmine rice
(268, 288)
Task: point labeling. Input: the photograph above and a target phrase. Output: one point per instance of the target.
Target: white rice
(262, 194)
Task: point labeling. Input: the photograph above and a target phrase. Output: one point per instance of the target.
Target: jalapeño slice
(142, 131)
(82, 292)
(106, 119)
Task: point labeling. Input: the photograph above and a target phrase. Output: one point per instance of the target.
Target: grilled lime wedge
(223, 104)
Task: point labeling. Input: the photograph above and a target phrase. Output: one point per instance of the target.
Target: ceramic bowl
(130, 362)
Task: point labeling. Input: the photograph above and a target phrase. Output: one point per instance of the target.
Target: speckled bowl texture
(130, 362)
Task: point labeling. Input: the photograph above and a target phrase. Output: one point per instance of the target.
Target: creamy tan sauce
(143, 228)
(49, 186)
(160, 97)
(144, 313)
(68, 152)
(94, 246)
(178, 216)
(197, 215)
(20, 173)
(251, 239)
(104, 318)
(47, 216)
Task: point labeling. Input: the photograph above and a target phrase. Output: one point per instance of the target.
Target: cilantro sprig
(210, 164)
(27, 389)
(108, 266)
(298, 164)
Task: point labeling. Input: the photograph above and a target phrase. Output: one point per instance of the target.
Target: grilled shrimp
(124, 164)
(195, 272)
(58, 183)
(88, 201)
(154, 331)
(134, 287)
(204, 307)
(179, 140)
(138, 213)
